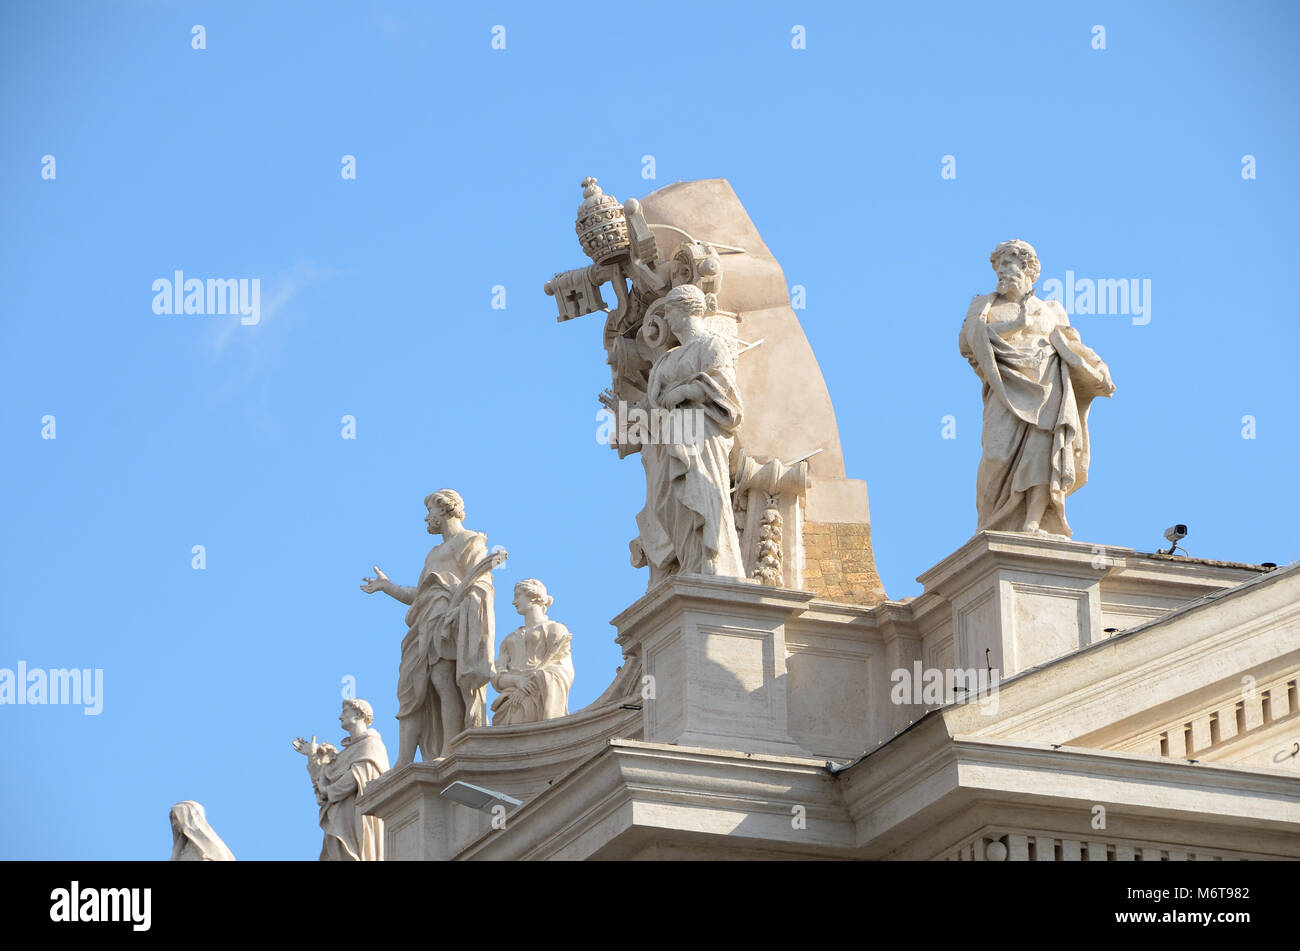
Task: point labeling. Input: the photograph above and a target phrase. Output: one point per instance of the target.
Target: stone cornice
(631, 785)
(677, 591)
(537, 751)
(973, 559)
(929, 776)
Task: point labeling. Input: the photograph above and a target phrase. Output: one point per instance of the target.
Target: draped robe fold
(545, 652)
(193, 839)
(688, 480)
(351, 836)
(1036, 404)
(438, 629)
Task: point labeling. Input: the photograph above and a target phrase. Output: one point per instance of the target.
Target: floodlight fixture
(476, 797)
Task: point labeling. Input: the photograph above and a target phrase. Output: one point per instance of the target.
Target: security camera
(1175, 534)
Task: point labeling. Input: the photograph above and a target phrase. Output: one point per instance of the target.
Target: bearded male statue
(447, 652)
(1039, 383)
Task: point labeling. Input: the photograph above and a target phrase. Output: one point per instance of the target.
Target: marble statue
(447, 651)
(534, 668)
(670, 369)
(193, 839)
(339, 777)
(699, 234)
(1039, 383)
(688, 525)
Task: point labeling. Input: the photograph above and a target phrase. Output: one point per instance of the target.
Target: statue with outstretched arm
(446, 660)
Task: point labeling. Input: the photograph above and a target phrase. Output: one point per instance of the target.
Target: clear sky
(176, 431)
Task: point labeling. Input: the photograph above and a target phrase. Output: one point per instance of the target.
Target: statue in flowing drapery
(339, 777)
(1039, 383)
(534, 668)
(694, 408)
(447, 651)
(193, 840)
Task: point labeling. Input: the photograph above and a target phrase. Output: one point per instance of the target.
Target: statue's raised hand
(377, 583)
(496, 559)
(306, 747)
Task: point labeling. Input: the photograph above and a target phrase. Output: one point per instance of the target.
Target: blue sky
(176, 431)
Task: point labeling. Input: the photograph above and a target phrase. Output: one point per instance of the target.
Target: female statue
(534, 668)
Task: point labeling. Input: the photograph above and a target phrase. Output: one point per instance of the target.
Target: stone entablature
(1232, 727)
(1021, 846)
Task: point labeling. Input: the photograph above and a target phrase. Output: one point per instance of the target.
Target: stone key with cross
(577, 292)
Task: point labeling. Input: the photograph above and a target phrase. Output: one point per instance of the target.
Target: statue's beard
(1014, 286)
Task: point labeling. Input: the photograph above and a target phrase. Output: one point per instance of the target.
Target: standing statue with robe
(694, 406)
(339, 778)
(1039, 383)
(534, 668)
(193, 840)
(447, 651)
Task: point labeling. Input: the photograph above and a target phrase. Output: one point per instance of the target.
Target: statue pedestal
(1019, 600)
(419, 825)
(521, 761)
(713, 656)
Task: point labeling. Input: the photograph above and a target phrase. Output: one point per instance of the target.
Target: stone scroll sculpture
(193, 840)
(447, 651)
(1039, 383)
(339, 776)
(534, 668)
